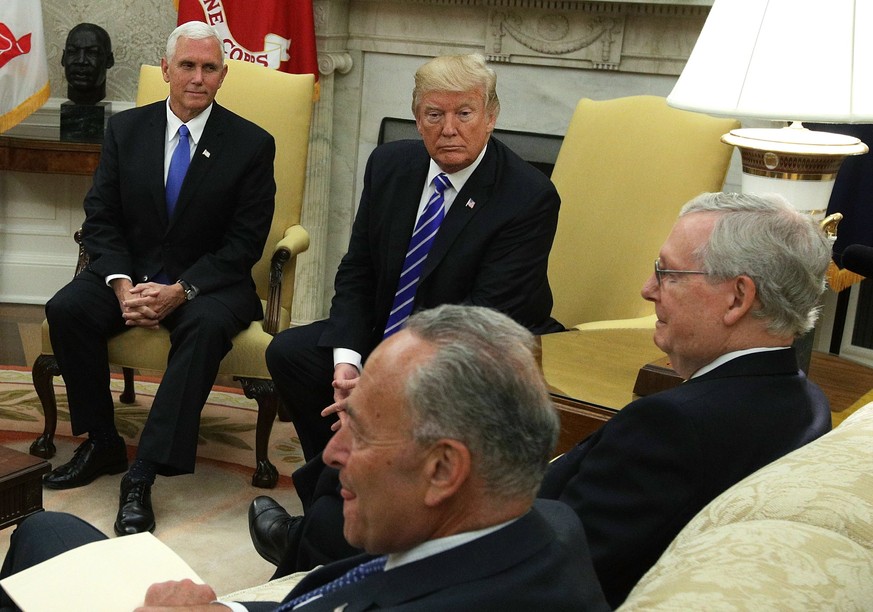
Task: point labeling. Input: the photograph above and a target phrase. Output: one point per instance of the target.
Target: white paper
(106, 576)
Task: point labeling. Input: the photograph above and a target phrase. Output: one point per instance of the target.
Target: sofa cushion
(759, 565)
(797, 534)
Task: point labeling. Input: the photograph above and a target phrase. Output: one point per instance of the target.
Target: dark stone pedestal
(84, 122)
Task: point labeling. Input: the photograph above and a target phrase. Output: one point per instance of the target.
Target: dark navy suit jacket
(539, 562)
(222, 216)
(643, 475)
(492, 249)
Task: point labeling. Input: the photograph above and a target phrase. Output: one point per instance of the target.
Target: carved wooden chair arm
(295, 241)
(83, 259)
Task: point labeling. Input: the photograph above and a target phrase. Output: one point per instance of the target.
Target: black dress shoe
(88, 463)
(135, 514)
(272, 528)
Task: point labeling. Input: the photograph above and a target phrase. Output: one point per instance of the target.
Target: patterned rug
(202, 516)
(227, 424)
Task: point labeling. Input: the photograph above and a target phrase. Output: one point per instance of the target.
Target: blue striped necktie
(357, 573)
(422, 239)
(178, 167)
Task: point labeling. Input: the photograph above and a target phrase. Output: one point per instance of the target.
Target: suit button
(145, 278)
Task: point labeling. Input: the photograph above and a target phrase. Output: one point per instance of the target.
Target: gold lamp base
(795, 162)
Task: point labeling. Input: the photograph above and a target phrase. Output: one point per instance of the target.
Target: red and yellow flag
(24, 84)
(278, 34)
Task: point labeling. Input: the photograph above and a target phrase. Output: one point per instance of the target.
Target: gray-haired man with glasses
(738, 278)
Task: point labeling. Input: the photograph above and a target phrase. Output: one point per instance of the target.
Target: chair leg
(45, 368)
(128, 395)
(264, 392)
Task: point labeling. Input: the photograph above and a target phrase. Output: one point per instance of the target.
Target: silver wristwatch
(190, 290)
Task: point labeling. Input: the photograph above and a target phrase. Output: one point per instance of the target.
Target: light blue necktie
(422, 239)
(357, 573)
(178, 167)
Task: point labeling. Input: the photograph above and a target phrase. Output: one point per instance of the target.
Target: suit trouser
(303, 372)
(40, 537)
(85, 313)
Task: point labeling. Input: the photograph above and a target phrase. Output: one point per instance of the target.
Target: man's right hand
(137, 316)
(345, 377)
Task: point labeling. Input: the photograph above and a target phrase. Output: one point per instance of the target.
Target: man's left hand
(151, 303)
(179, 595)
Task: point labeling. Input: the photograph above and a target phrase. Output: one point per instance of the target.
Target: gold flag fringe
(841, 279)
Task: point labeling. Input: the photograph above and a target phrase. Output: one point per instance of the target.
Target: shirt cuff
(344, 355)
(112, 277)
(233, 605)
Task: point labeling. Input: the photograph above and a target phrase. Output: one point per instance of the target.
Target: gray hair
(484, 388)
(195, 30)
(783, 251)
(457, 73)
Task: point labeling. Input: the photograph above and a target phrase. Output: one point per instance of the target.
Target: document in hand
(105, 576)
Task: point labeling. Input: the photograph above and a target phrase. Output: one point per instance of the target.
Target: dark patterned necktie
(178, 167)
(422, 239)
(357, 573)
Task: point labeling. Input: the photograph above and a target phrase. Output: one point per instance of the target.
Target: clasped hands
(345, 377)
(147, 304)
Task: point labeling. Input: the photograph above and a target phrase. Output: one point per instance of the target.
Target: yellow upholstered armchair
(281, 104)
(624, 170)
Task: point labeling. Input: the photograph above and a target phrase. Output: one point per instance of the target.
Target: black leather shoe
(272, 528)
(87, 464)
(135, 513)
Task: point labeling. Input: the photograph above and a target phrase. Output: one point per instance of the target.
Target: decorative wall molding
(328, 63)
(589, 41)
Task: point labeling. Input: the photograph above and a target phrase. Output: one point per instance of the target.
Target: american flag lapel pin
(205, 153)
(470, 203)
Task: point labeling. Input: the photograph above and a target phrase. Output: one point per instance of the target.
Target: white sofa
(795, 535)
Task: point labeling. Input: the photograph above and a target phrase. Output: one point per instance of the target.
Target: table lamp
(791, 61)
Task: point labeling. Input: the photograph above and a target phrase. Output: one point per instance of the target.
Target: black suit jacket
(222, 216)
(492, 248)
(643, 475)
(540, 561)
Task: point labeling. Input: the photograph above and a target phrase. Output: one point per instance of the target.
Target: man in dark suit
(491, 249)
(440, 452)
(179, 256)
(737, 280)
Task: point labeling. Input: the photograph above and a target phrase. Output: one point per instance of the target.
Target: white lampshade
(785, 60)
(792, 60)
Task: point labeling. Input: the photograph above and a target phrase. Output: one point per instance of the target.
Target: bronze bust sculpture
(86, 57)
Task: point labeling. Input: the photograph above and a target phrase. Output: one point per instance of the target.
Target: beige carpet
(201, 516)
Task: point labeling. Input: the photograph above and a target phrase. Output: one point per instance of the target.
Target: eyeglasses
(659, 271)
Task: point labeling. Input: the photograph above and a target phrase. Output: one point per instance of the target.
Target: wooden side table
(20, 485)
(48, 156)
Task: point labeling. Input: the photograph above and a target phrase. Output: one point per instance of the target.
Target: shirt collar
(459, 178)
(433, 547)
(195, 126)
(723, 359)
